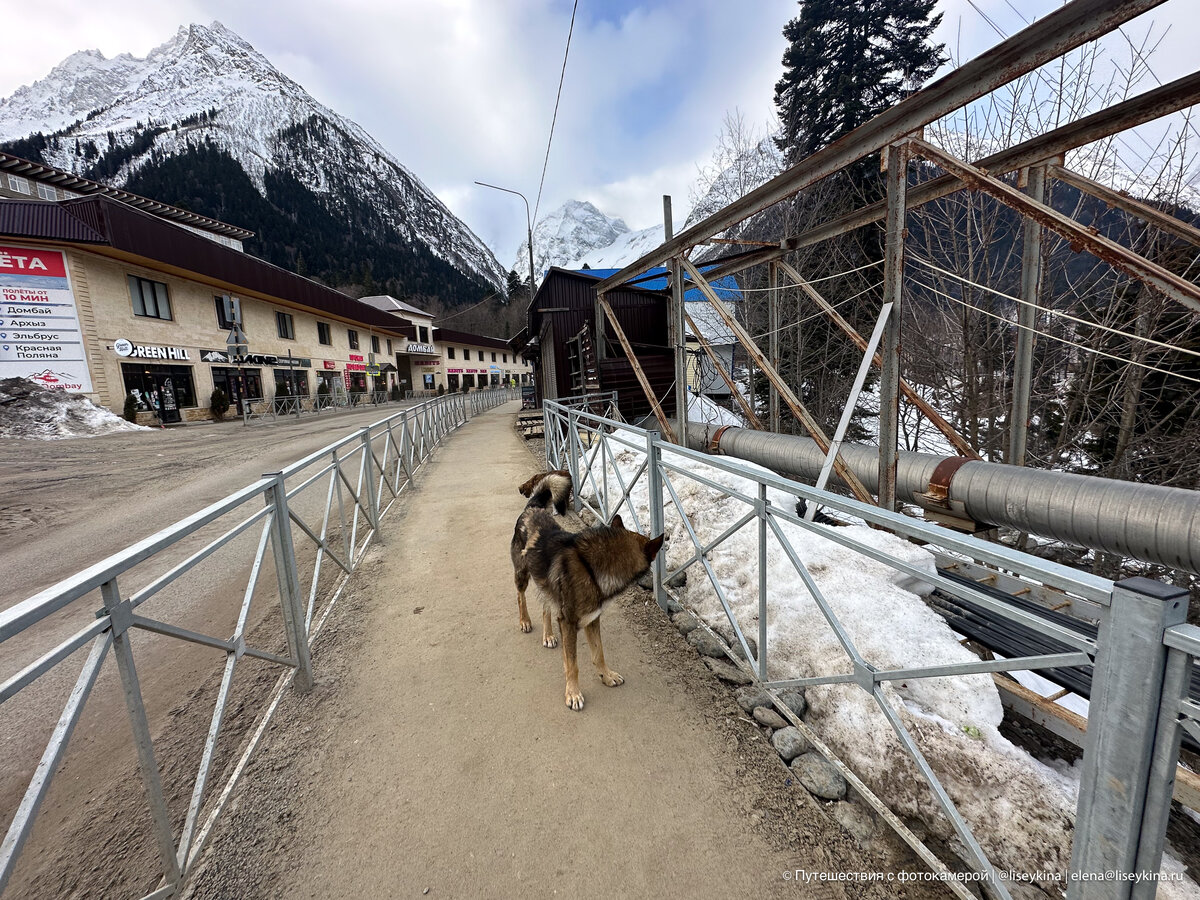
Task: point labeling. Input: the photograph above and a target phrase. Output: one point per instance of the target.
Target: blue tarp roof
(726, 288)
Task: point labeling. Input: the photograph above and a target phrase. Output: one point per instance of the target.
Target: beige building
(105, 299)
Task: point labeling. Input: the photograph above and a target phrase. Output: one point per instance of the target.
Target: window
(223, 320)
(324, 334)
(466, 354)
(228, 380)
(285, 326)
(449, 353)
(374, 344)
(480, 352)
(389, 343)
(422, 334)
(352, 337)
(46, 192)
(505, 357)
(291, 383)
(18, 184)
(147, 384)
(149, 298)
(493, 357)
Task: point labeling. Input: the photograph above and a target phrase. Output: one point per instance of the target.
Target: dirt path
(436, 755)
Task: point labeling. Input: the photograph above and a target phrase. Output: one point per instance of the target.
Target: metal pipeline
(1143, 521)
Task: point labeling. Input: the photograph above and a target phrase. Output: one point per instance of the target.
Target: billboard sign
(40, 337)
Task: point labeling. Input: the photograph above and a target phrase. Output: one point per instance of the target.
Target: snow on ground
(702, 409)
(1021, 810)
(32, 412)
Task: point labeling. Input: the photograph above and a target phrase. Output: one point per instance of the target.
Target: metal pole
(678, 329)
(763, 503)
(1031, 273)
(290, 601)
(1127, 687)
(773, 340)
(657, 518)
(893, 282)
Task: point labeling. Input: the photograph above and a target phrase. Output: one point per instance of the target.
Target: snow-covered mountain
(577, 234)
(110, 119)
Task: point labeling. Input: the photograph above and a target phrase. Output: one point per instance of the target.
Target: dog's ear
(616, 522)
(652, 547)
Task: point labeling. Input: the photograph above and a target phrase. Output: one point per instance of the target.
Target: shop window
(290, 383)
(452, 383)
(449, 353)
(149, 298)
(352, 337)
(146, 383)
(228, 379)
(324, 334)
(285, 325)
(374, 343)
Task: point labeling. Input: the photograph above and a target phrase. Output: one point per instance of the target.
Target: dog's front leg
(548, 638)
(523, 619)
(570, 663)
(607, 675)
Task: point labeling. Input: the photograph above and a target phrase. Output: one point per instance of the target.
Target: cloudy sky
(464, 90)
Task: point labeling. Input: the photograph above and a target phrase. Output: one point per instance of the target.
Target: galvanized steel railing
(318, 516)
(1139, 700)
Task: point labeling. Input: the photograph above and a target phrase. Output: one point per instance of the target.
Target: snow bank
(32, 412)
(1021, 810)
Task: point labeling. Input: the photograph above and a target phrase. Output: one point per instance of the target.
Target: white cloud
(460, 90)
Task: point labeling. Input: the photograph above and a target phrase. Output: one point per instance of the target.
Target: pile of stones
(808, 767)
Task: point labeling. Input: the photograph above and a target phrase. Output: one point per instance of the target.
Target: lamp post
(528, 226)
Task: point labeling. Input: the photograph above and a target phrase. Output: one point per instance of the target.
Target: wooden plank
(637, 370)
(746, 410)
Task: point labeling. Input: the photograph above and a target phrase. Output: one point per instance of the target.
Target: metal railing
(317, 517)
(1142, 656)
(278, 407)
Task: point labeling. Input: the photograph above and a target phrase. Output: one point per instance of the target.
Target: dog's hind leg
(548, 638)
(522, 578)
(607, 675)
(570, 663)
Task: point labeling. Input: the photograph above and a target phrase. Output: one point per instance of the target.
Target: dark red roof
(100, 221)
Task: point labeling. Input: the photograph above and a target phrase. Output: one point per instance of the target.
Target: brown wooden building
(560, 340)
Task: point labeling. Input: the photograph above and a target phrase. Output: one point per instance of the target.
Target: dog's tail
(554, 489)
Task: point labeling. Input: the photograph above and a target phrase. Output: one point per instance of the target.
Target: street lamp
(528, 226)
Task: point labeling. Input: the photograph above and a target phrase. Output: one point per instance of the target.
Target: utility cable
(562, 75)
(1051, 311)
(1053, 337)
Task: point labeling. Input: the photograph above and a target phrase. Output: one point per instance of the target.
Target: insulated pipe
(1143, 521)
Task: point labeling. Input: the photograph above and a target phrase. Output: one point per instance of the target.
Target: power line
(1053, 312)
(562, 75)
(1053, 337)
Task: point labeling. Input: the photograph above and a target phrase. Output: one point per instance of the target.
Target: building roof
(710, 325)
(86, 187)
(113, 228)
(656, 280)
(446, 336)
(393, 305)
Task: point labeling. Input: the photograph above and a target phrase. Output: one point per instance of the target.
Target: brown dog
(578, 572)
(546, 491)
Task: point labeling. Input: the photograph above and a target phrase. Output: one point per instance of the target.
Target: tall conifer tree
(847, 61)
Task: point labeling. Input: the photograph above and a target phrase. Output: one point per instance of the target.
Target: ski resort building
(109, 295)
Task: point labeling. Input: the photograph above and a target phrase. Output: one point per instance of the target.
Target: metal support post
(1031, 273)
(1127, 690)
(120, 615)
(369, 482)
(289, 583)
(573, 458)
(657, 519)
(763, 503)
(678, 331)
(773, 341)
(893, 283)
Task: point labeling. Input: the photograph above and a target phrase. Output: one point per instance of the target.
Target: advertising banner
(40, 337)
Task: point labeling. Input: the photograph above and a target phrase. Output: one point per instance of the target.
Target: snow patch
(29, 411)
